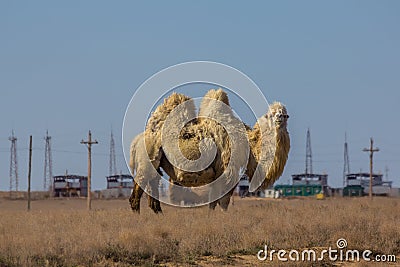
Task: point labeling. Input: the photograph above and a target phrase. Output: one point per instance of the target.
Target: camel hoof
(135, 205)
(135, 209)
(155, 205)
(212, 205)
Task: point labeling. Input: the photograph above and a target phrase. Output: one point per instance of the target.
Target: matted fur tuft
(206, 128)
(156, 122)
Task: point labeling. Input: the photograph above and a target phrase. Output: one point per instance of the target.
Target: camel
(268, 143)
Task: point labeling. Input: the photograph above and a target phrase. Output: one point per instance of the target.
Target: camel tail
(132, 153)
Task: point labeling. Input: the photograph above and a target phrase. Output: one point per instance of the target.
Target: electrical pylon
(308, 154)
(346, 166)
(13, 164)
(112, 163)
(48, 164)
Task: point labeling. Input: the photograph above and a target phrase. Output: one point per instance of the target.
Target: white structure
(269, 193)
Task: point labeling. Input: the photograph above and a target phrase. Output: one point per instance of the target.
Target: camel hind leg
(154, 204)
(134, 199)
(153, 199)
(223, 201)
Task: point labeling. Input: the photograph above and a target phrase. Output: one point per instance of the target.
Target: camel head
(270, 144)
(277, 116)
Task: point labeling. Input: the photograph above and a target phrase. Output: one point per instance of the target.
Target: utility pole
(89, 144)
(29, 173)
(371, 151)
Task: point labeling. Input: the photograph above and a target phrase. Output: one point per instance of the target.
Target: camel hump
(207, 107)
(174, 100)
(218, 94)
(159, 116)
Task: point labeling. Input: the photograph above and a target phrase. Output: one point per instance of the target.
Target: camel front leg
(212, 205)
(225, 200)
(134, 199)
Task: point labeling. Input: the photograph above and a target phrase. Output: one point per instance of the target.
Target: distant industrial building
(69, 185)
(357, 184)
(119, 185)
(119, 181)
(305, 185)
(242, 190)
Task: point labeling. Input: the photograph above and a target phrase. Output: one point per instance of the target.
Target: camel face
(278, 114)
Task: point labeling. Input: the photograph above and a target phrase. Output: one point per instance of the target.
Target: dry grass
(62, 233)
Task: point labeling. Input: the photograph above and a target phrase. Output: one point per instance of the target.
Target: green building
(305, 184)
(298, 190)
(353, 191)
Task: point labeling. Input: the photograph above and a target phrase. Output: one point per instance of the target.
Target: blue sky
(73, 66)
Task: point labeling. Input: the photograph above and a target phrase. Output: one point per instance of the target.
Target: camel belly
(193, 179)
(185, 178)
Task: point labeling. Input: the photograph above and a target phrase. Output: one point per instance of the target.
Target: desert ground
(61, 232)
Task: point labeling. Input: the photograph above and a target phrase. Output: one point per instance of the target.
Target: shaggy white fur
(216, 128)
